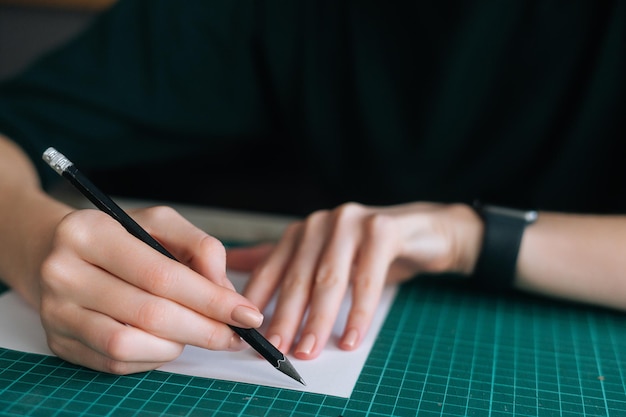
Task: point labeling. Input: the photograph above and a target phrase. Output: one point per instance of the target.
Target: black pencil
(68, 170)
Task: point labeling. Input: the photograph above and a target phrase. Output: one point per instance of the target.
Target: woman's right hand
(112, 303)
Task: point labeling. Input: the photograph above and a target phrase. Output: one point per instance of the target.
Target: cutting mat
(445, 350)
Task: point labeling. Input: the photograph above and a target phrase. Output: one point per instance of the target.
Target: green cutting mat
(444, 350)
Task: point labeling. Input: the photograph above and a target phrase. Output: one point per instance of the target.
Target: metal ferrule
(56, 160)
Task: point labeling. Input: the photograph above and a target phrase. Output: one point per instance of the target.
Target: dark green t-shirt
(519, 103)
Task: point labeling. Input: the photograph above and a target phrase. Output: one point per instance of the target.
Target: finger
(297, 280)
(265, 278)
(330, 284)
(190, 245)
(155, 315)
(369, 277)
(75, 352)
(97, 341)
(151, 271)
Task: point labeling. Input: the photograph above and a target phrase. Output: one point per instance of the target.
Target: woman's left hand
(316, 260)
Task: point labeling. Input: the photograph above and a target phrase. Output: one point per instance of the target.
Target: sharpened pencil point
(287, 368)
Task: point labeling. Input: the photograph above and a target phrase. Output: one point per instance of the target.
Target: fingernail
(247, 317)
(306, 345)
(275, 340)
(350, 339)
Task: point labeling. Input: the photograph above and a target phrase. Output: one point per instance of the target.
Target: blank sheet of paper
(335, 372)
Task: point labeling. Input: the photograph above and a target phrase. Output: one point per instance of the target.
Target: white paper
(334, 372)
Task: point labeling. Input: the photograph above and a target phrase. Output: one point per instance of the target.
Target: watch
(504, 227)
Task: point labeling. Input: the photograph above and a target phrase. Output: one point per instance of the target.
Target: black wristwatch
(504, 228)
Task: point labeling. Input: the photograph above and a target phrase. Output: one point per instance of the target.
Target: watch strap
(503, 231)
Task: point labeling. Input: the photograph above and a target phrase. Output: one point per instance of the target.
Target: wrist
(468, 239)
(33, 218)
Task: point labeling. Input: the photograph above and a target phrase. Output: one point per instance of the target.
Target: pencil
(68, 170)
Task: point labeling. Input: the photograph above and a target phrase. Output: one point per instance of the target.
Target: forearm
(578, 257)
(28, 218)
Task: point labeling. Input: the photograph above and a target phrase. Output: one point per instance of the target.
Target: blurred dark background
(30, 28)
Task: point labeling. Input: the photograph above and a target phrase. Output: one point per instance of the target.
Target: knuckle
(317, 319)
(51, 314)
(50, 270)
(71, 231)
(312, 223)
(159, 214)
(217, 336)
(54, 275)
(55, 345)
(152, 315)
(116, 346)
(295, 282)
(78, 228)
(211, 339)
(327, 278)
(377, 224)
(345, 216)
(115, 367)
(215, 298)
(212, 246)
(317, 217)
(359, 315)
(348, 211)
(159, 278)
(364, 285)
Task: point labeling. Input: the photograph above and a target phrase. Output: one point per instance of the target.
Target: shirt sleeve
(149, 79)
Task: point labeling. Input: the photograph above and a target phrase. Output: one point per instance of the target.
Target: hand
(112, 303)
(313, 264)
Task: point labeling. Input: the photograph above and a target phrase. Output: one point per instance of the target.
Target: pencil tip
(287, 368)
